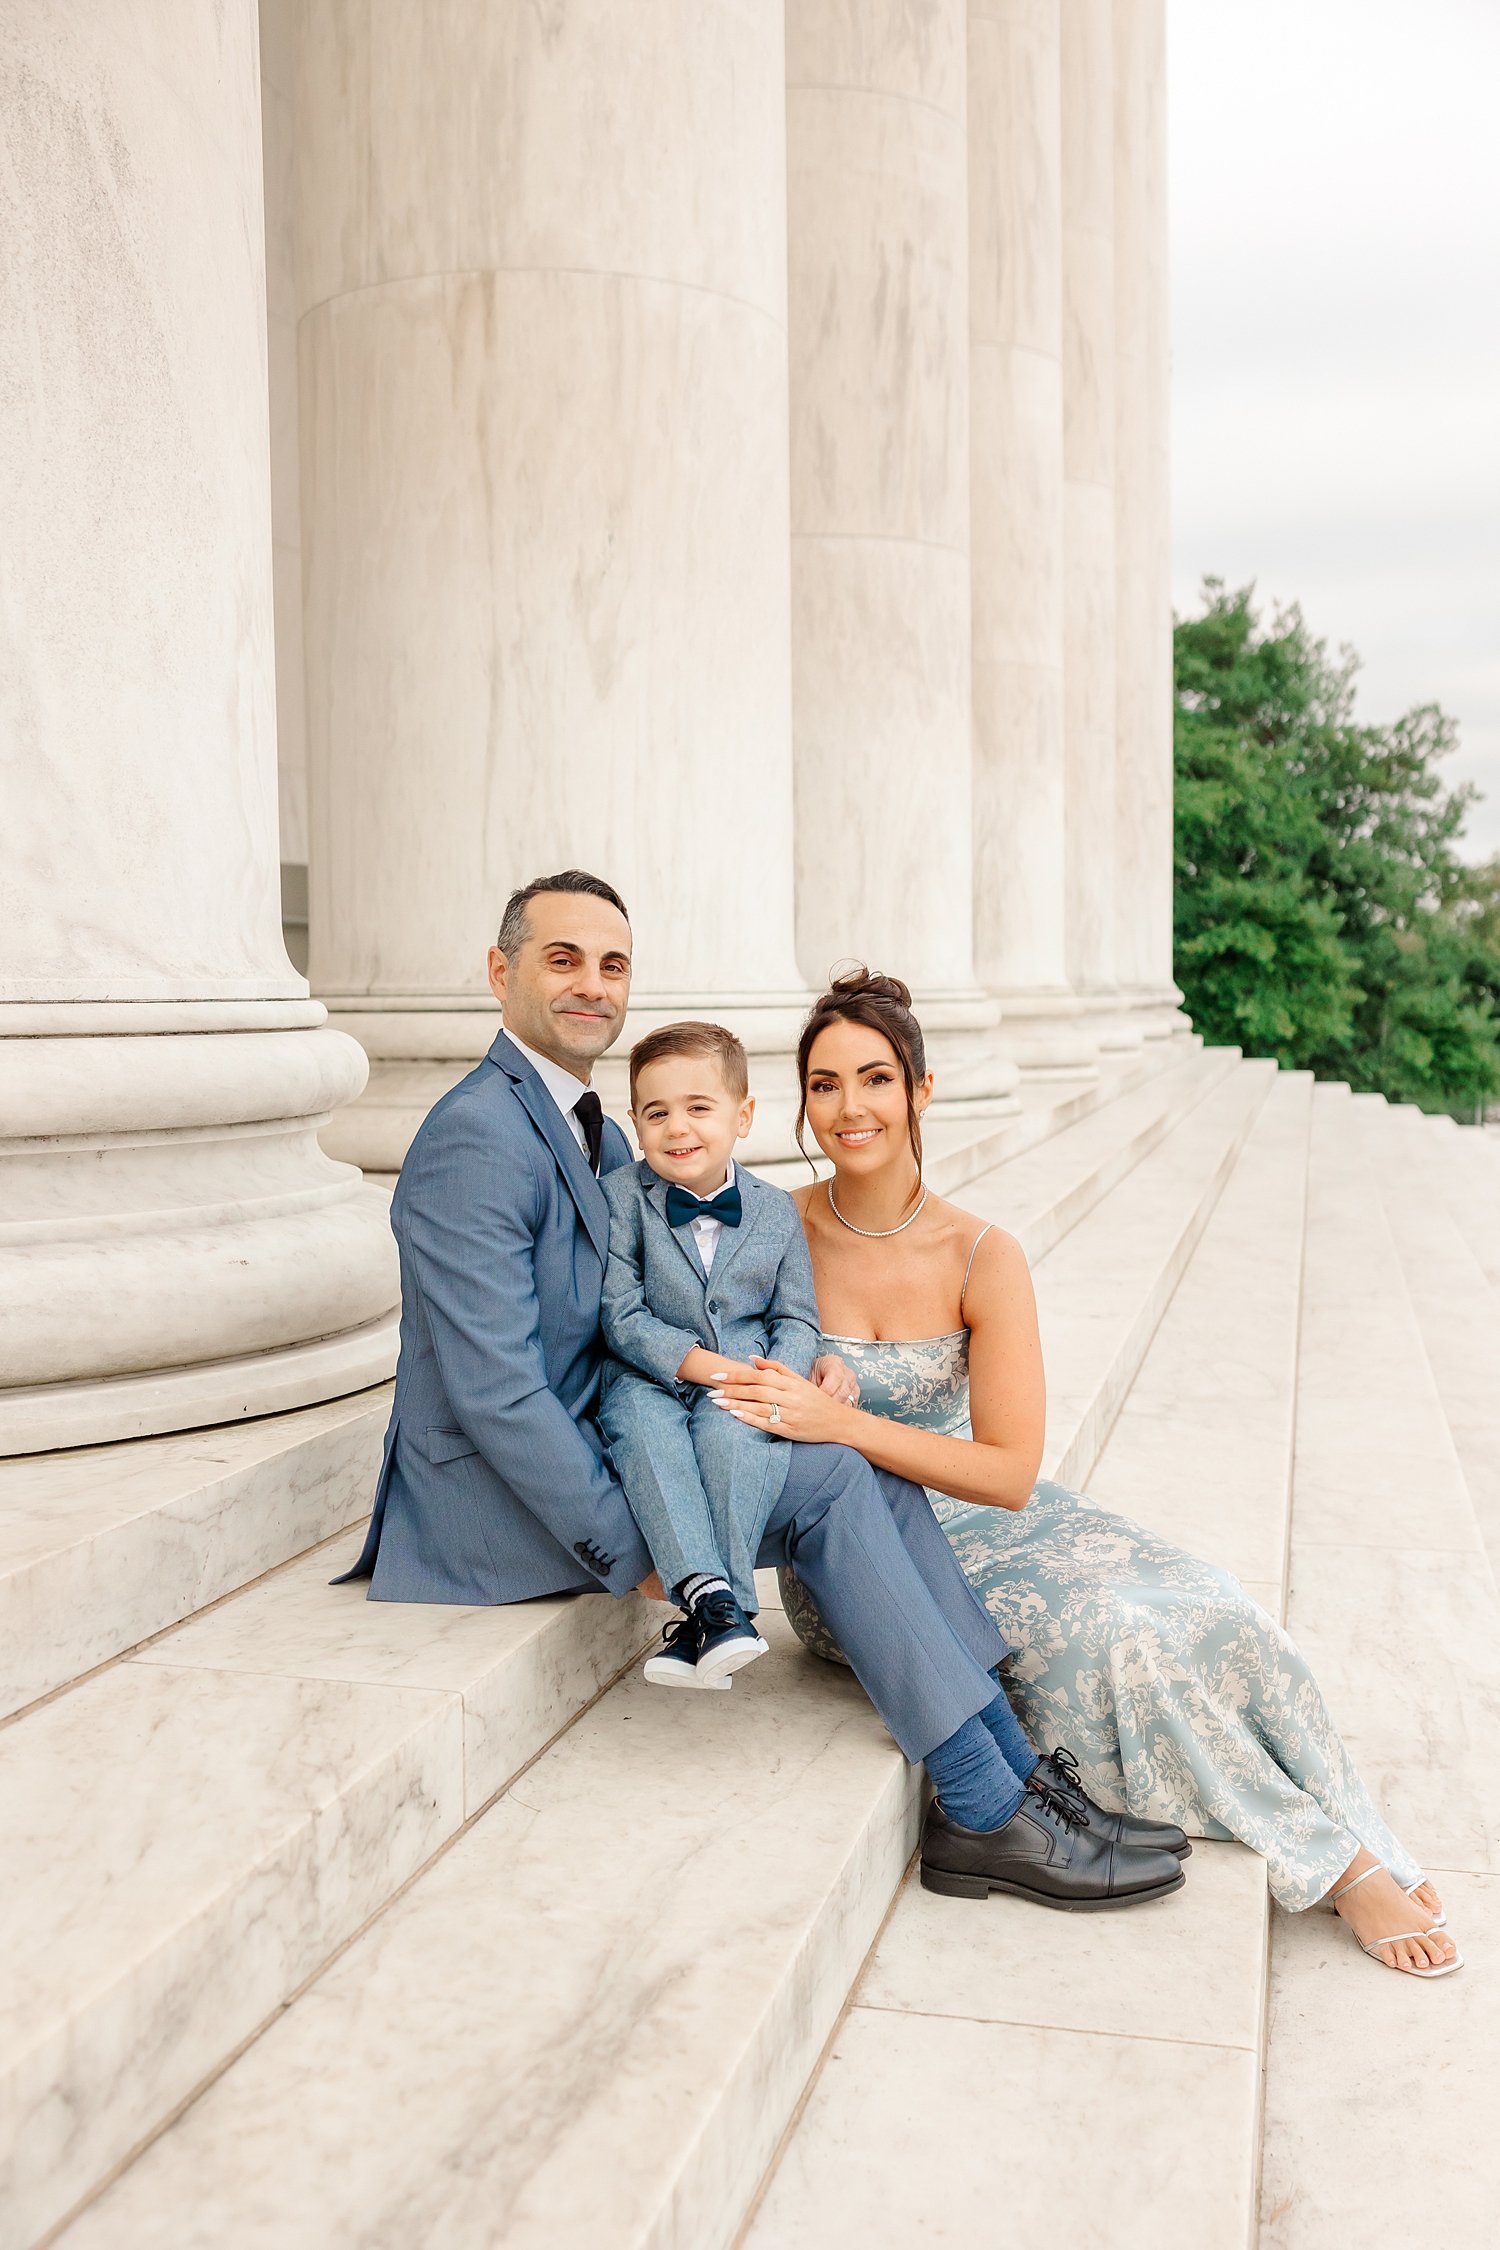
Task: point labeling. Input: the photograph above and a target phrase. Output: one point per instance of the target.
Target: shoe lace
(1058, 1805)
(1065, 1775)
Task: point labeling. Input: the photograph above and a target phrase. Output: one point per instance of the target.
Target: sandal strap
(1398, 1937)
(1353, 1885)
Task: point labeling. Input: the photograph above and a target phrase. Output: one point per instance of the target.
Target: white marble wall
(878, 338)
(1016, 483)
(178, 1250)
(544, 424)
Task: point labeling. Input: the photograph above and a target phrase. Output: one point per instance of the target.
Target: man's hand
(652, 1587)
(840, 1381)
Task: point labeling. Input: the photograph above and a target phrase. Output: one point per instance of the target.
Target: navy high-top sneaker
(729, 1640)
(675, 1663)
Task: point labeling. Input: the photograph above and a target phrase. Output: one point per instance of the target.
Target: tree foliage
(1322, 913)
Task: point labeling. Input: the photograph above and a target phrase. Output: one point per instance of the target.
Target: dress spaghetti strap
(969, 1268)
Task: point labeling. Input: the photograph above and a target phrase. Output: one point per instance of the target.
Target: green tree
(1323, 915)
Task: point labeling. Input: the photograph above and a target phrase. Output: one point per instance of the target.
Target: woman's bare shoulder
(803, 1196)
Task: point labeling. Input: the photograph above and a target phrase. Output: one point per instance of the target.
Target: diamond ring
(775, 1413)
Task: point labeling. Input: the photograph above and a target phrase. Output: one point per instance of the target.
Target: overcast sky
(1336, 336)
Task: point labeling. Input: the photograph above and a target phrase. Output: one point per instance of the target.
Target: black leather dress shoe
(1047, 1851)
(1059, 1771)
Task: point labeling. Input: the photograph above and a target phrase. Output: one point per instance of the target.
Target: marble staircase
(335, 1923)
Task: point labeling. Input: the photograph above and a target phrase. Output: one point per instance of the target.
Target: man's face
(564, 990)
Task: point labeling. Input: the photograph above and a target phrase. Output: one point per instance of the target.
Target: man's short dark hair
(573, 880)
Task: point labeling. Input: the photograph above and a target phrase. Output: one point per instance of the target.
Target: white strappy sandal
(1397, 1937)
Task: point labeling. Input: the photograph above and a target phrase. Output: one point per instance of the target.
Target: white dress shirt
(706, 1231)
(560, 1084)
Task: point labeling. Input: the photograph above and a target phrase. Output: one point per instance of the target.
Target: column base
(178, 1249)
(1048, 1037)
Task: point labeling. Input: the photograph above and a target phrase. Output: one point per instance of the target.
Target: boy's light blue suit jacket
(658, 1301)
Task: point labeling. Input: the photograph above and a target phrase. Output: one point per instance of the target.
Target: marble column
(542, 275)
(278, 50)
(176, 1248)
(1090, 623)
(1143, 560)
(878, 333)
(1016, 487)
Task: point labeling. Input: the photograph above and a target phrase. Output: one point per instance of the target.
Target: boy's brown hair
(693, 1039)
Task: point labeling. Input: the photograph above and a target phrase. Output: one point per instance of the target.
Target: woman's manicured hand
(802, 1410)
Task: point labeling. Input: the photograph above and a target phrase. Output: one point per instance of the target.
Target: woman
(1179, 1696)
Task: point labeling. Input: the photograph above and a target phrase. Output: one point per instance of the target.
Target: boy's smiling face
(687, 1121)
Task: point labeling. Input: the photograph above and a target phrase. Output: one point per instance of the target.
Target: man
(495, 1485)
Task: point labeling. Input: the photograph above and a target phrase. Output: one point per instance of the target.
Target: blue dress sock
(1006, 1732)
(975, 1786)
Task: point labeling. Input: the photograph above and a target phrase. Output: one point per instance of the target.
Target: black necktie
(683, 1208)
(589, 1111)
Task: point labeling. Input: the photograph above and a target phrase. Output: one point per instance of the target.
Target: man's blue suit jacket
(495, 1486)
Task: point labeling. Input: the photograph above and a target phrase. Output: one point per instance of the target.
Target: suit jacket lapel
(558, 1134)
(733, 1239)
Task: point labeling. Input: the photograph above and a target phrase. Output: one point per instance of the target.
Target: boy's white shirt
(706, 1231)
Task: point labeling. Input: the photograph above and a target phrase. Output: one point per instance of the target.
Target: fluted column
(1143, 561)
(1090, 622)
(542, 270)
(1016, 483)
(174, 1248)
(878, 311)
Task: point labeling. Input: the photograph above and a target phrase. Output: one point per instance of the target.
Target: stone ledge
(103, 1547)
(193, 1832)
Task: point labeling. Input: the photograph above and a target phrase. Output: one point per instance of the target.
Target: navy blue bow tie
(726, 1207)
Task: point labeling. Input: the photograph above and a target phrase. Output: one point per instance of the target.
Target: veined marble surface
(588, 2023)
(1102, 1290)
(182, 1849)
(104, 1546)
(1379, 2115)
(521, 1670)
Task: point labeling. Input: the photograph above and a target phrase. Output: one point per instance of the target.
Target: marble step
(1017, 2024)
(194, 1831)
(1102, 1290)
(1456, 1306)
(1393, 1602)
(638, 1952)
(1043, 1191)
(106, 1545)
(1471, 1177)
(585, 2026)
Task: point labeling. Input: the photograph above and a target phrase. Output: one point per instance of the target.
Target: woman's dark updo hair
(881, 1004)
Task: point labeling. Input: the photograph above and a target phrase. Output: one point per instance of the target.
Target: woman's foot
(1377, 1906)
(1424, 1895)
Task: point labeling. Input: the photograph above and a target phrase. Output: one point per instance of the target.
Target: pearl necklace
(876, 1234)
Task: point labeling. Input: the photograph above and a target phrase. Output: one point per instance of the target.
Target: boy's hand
(652, 1587)
(710, 1368)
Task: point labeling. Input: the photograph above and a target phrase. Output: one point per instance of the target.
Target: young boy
(708, 1267)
